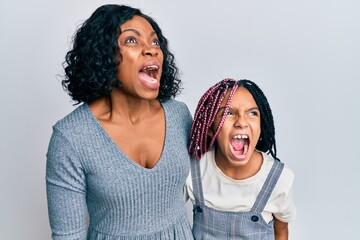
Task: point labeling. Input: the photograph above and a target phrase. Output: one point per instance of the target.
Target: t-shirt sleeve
(66, 190)
(186, 188)
(286, 211)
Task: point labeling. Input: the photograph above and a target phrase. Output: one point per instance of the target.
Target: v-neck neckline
(120, 151)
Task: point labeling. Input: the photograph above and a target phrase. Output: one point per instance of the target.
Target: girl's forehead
(241, 94)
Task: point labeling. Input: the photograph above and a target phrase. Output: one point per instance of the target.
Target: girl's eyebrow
(253, 108)
(250, 109)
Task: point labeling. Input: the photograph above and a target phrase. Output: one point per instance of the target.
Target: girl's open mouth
(240, 145)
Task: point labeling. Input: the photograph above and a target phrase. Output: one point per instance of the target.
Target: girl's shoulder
(287, 175)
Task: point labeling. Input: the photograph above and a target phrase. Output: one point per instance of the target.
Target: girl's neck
(241, 172)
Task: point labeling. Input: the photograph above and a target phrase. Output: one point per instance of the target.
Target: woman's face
(141, 65)
(240, 132)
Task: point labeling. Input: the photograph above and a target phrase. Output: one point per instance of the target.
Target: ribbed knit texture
(86, 170)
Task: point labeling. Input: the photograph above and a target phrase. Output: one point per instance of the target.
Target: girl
(238, 186)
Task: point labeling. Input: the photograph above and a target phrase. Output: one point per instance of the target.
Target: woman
(122, 154)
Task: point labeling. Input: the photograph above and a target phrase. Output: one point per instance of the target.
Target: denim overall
(214, 224)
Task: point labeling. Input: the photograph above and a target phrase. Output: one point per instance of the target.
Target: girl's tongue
(238, 144)
(240, 147)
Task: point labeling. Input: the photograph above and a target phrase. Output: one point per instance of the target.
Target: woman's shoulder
(75, 120)
(176, 108)
(175, 103)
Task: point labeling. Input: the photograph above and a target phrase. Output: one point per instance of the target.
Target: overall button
(254, 218)
(198, 208)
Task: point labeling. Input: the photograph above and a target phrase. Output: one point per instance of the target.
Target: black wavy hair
(91, 65)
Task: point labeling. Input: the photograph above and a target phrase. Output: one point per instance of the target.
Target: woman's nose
(150, 51)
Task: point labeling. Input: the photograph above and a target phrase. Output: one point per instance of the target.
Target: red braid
(205, 114)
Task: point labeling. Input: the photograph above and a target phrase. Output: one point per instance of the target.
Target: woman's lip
(150, 63)
(149, 82)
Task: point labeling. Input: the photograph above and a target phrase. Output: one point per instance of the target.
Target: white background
(305, 55)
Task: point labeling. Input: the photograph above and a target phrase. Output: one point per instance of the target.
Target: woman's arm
(281, 230)
(66, 191)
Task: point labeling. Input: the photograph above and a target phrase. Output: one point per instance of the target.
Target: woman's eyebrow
(132, 30)
(137, 32)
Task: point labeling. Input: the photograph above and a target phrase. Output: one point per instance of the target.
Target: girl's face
(240, 132)
(141, 66)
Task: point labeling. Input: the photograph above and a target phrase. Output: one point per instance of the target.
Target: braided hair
(208, 108)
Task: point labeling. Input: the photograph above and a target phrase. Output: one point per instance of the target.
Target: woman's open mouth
(148, 76)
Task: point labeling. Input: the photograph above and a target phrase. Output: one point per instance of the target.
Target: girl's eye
(155, 42)
(253, 113)
(229, 113)
(130, 40)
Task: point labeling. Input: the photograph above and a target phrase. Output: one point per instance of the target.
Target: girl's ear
(210, 132)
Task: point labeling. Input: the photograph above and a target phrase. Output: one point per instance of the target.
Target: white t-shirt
(224, 193)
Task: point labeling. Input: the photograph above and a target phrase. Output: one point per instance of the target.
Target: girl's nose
(240, 122)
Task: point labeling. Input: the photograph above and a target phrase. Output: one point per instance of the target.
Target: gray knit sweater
(87, 172)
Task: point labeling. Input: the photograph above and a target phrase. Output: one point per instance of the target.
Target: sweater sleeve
(66, 190)
(188, 124)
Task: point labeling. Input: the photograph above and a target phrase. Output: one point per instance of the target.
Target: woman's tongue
(148, 81)
(238, 145)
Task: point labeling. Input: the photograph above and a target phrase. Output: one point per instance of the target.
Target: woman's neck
(119, 106)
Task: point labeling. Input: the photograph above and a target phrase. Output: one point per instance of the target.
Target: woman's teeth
(151, 71)
(150, 68)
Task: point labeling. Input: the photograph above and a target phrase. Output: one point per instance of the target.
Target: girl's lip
(239, 154)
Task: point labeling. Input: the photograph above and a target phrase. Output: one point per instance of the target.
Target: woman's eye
(155, 42)
(130, 40)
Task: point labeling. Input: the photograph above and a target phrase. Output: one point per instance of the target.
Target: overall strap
(268, 186)
(196, 180)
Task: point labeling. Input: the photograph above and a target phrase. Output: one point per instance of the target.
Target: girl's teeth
(241, 136)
